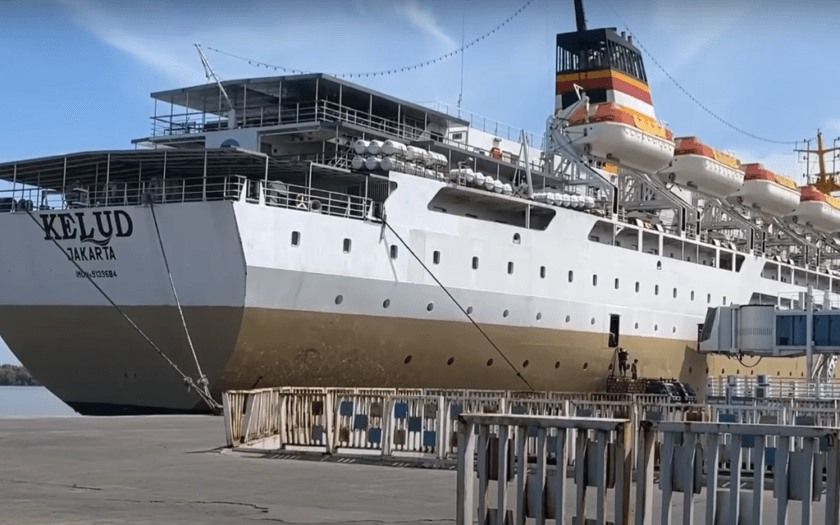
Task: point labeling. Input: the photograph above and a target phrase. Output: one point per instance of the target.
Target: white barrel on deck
(361, 146)
(375, 147)
(358, 162)
(372, 163)
(392, 147)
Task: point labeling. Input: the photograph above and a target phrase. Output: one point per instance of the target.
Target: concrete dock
(169, 470)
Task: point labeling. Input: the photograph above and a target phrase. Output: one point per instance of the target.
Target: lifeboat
(771, 193)
(703, 169)
(819, 210)
(619, 135)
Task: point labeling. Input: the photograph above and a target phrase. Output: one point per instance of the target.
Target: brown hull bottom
(93, 360)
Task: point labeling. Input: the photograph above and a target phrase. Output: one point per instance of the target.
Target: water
(31, 401)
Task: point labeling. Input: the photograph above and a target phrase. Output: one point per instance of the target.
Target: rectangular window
(510, 267)
(394, 251)
(436, 257)
(594, 280)
(542, 272)
(347, 245)
(475, 263)
(656, 290)
(295, 238)
(675, 293)
(637, 286)
(616, 283)
(571, 276)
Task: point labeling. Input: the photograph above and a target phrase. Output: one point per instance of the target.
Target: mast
(826, 182)
(580, 16)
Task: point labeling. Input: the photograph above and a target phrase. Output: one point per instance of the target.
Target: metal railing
(484, 124)
(804, 462)
(494, 448)
(772, 387)
(198, 189)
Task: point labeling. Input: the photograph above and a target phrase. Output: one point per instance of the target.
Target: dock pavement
(169, 470)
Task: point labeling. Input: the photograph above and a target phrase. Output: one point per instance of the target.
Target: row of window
(436, 260)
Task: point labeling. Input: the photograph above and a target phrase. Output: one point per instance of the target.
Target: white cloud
(107, 25)
(423, 19)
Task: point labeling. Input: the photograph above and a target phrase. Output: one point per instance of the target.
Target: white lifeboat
(771, 193)
(619, 135)
(700, 168)
(819, 210)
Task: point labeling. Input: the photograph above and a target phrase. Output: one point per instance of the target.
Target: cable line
(384, 72)
(407, 247)
(689, 95)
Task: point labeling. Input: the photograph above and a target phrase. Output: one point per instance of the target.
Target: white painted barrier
(495, 466)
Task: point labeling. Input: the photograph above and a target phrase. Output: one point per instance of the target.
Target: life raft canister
(496, 153)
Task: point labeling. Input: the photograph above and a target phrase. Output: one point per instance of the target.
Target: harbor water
(31, 401)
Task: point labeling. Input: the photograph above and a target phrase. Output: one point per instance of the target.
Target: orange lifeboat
(771, 193)
(819, 210)
(704, 169)
(620, 135)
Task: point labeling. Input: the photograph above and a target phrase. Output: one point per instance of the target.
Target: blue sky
(77, 74)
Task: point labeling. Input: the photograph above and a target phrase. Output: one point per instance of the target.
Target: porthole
(777, 373)
(386, 303)
(658, 265)
(347, 245)
(675, 293)
(724, 300)
(539, 316)
(656, 328)
(407, 360)
(594, 280)
(525, 364)
(542, 272)
(394, 251)
(709, 298)
(295, 238)
(568, 318)
(475, 263)
(674, 330)
(585, 366)
(738, 372)
(656, 290)
(692, 295)
(557, 365)
(722, 371)
(707, 370)
(637, 286)
(469, 309)
(451, 360)
(616, 283)
(430, 307)
(571, 276)
(516, 238)
(489, 362)
(593, 321)
(689, 370)
(436, 257)
(338, 299)
(505, 313)
(637, 326)
(510, 267)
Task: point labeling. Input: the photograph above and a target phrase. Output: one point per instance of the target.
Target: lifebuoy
(496, 153)
(302, 202)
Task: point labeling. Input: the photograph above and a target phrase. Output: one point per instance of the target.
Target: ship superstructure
(319, 233)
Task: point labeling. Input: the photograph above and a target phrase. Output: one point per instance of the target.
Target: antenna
(580, 16)
(463, 52)
(211, 75)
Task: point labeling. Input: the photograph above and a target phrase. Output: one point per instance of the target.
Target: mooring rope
(202, 379)
(187, 379)
(432, 275)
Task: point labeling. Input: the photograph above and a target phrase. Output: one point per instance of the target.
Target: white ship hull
(264, 312)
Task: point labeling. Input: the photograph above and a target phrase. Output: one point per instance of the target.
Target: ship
(304, 230)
